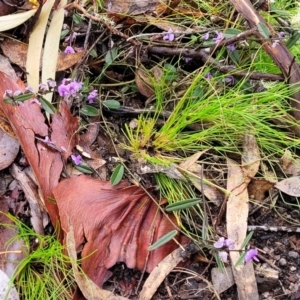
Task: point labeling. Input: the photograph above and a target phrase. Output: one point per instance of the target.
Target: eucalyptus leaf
(263, 30)
(117, 175)
(90, 111)
(113, 104)
(182, 204)
(47, 106)
(84, 168)
(163, 240)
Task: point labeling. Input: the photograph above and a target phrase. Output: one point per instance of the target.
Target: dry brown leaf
(144, 80)
(290, 186)
(250, 157)
(113, 224)
(140, 7)
(222, 279)
(16, 51)
(258, 188)
(236, 217)
(159, 273)
(290, 165)
(9, 149)
(88, 288)
(190, 161)
(29, 125)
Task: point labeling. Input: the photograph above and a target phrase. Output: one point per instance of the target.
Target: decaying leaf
(290, 186)
(9, 148)
(236, 217)
(290, 165)
(17, 51)
(222, 279)
(113, 224)
(258, 188)
(29, 124)
(88, 288)
(144, 80)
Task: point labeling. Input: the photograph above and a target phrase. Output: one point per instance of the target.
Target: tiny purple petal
(35, 101)
(231, 47)
(169, 36)
(251, 255)
(109, 6)
(51, 83)
(75, 87)
(69, 50)
(208, 76)
(17, 93)
(205, 36)
(230, 244)
(64, 90)
(47, 140)
(29, 89)
(43, 87)
(8, 93)
(63, 148)
(219, 37)
(92, 95)
(275, 43)
(281, 34)
(187, 59)
(229, 80)
(223, 255)
(219, 243)
(76, 159)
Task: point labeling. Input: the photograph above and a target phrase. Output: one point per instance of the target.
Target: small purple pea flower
(43, 87)
(8, 93)
(231, 47)
(51, 83)
(251, 255)
(275, 43)
(77, 159)
(169, 36)
(281, 34)
(205, 36)
(219, 37)
(92, 96)
(208, 76)
(224, 256)
(69, 50)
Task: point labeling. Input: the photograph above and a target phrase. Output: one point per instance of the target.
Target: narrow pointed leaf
(24, 97)
(47, 106)
(182, 204)
(263, 30)
(163, 240)
(86, 169)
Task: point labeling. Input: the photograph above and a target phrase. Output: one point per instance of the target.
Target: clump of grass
(45, 272)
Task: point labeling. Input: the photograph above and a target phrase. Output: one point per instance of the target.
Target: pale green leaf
(163, 240)
(117, 175)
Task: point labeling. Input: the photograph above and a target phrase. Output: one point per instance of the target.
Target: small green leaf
(183, 204)
(111, 55)
(24, 97)
(64, 33)
(47, 106)
(234, 55)
(219, 262)
(241, 259)
(163, 240)
(77, 19)
(263, 30)
(113, 104)
(293, 39)
(247, 239)
(83, 168)
(117, 175)
(93, 53)
(231, 32)
(8, 100)
(90, 111)
(52, 200)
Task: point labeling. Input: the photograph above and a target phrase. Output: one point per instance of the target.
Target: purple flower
(70, 38)
(205, 36)
(219, 37)
(223, 255)
(229, 80)
(43, 87)
(77, 159)
(17, 93)
(8, 93)
(29, 89)
(229, 244)
(231, 47)
(51, 83)
(208, 76)
(69, 50)
(281, 34)
(275, 43)
(251, 255)
(187, 59)
(92, 95)
(47, 140)
(35, 101)
(220, 243)
(169, 36)
(68, 87)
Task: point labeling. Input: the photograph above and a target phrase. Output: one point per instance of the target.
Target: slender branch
(205, 57)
